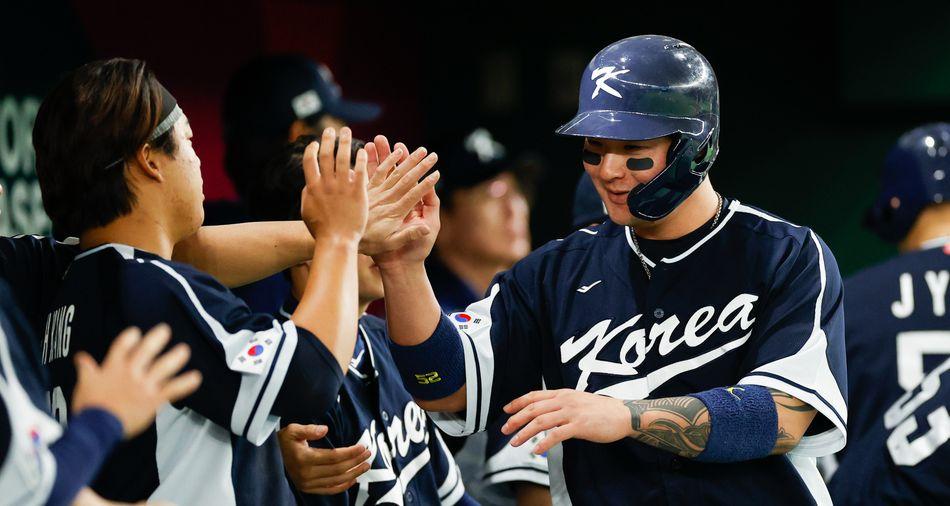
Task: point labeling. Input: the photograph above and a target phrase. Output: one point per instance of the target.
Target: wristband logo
(428, 378)
(732, 392)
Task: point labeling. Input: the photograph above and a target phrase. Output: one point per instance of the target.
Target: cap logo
(480, 143)
(328, 79)
(605, 73)
(306, 104)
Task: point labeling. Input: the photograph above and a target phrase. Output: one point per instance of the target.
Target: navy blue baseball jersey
(487, 462)
(34, 266)
(754, 300)
(410, 462)
(897, 330)
(255, 371)
(903, 458)
(27, 467)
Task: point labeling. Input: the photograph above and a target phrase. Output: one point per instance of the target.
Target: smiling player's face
(617, 167)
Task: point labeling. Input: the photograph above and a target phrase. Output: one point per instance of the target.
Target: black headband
(169, 115)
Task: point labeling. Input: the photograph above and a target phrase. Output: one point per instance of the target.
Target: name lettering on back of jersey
(638, 344)
(57, 333)
(397, 441)
(936, 281)
(903, 417)
(586, 288)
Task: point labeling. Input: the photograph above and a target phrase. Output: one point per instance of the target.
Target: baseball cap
(916, 174)
(269, 93)
(474, 160)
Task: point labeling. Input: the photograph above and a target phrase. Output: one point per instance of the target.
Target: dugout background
(812, 96)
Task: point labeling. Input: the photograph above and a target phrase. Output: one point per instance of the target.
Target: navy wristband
(90, 437)
(434, 368)
(744, 423)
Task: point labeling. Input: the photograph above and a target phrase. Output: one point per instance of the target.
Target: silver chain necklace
(636, 245)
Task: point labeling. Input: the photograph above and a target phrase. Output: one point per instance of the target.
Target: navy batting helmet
(916, 174)
(646, 87)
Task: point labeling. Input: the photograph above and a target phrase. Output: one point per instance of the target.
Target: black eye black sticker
(591, 158)
(639, 163)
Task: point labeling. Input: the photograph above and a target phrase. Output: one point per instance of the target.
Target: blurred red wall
(195, 46)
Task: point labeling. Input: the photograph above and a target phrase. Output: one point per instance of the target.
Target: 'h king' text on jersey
(57, 333)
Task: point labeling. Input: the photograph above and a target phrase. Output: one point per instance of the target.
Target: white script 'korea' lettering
(698, 329)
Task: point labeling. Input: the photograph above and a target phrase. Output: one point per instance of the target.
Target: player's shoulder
(20, 246)
(582, 241)
(767, 225)
(569, 254)
(910, 262)
(142, 276)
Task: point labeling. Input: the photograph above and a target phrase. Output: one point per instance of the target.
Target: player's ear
(147, 163)
(298, 128)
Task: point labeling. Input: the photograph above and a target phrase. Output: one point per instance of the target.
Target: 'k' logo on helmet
(606, 73)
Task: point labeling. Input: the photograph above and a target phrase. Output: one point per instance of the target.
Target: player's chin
(621, 215)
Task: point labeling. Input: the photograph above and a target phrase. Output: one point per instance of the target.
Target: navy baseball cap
(474, 160)
(916, 174)
(269, 93)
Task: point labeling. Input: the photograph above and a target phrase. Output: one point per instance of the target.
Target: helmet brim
(630, 126)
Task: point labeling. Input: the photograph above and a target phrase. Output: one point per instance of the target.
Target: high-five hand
(334, 201)
(394, 190)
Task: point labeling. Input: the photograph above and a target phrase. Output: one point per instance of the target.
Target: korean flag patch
(255, 355)
(466, 321)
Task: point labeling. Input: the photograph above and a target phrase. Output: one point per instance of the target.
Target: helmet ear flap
(705, 153)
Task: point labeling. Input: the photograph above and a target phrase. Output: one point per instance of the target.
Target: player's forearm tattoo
(677, 424)
(789, 402)
(784, 441)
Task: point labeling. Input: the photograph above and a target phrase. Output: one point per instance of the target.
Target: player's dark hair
(246, 156)
(99, 115)
(277, 196)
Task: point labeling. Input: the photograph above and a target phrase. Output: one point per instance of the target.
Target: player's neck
(933, 223)
(476, 272)
(694, 212)
(135, 229)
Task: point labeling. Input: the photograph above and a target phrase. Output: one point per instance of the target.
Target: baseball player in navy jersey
(128, 185)
(484, 209)
(902, 459)
(692, 345)
(40, 463)
(402, 456)
(898, 333)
